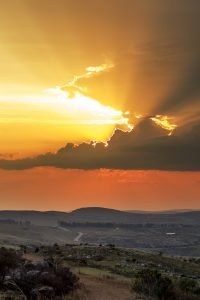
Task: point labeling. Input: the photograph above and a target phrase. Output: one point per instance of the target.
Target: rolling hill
(171, 232)
(104, 215)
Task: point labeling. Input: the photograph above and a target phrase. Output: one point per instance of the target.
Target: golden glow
(164, 122)
(73, 86)
(34, 124)
(138, 116)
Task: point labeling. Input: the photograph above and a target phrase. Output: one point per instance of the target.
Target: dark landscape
(87, 271)
(173, 233)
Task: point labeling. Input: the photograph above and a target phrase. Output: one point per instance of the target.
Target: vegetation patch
(33, 280)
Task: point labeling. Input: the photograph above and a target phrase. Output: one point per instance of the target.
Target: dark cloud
(146, 147)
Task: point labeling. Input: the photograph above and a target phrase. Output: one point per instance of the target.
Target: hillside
(89, 272)
(108, 272)
(99, 214)
(176, 233)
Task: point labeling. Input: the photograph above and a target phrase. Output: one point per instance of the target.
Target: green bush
(189, 286)
(151, 283)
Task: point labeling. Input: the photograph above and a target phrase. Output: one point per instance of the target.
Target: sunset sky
(99, 104)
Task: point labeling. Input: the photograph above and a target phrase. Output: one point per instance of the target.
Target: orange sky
(146, 49)
(58, 189)
(74, 72)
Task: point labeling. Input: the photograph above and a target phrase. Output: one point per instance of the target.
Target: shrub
(151, 283)
(189, 286)
(9, 259)
(62, 280)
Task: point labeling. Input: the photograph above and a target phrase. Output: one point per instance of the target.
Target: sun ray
(165, 123)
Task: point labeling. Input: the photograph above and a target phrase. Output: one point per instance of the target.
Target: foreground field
(108, 272)
(89, 272)
(120, 261)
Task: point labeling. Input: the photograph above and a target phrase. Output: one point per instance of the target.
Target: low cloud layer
(147, 147)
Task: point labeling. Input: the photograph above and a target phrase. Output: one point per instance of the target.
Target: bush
(151, 283)
(189, 286)
(9, 259)
(62, 280)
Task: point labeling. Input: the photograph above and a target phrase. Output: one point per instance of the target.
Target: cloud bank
(147, 147)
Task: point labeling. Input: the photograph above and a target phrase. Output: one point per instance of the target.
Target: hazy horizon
(109, 208)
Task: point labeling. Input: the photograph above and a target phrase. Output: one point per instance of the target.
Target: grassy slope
(106, 273)
(127, 261)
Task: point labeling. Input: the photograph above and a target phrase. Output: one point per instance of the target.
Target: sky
(103, 96)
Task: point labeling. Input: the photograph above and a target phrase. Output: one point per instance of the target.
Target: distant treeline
(119, 225)
(16, 222)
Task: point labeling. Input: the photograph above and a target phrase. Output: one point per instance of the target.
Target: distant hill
(171, 211)
(46, 218)
(171, 232)
(105, 215)
(99, 214)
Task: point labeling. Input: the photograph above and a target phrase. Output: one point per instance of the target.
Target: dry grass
(93, 288)
(102, 289)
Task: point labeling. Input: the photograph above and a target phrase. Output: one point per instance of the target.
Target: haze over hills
(176, 232)
(162, 211)
(104, 215)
